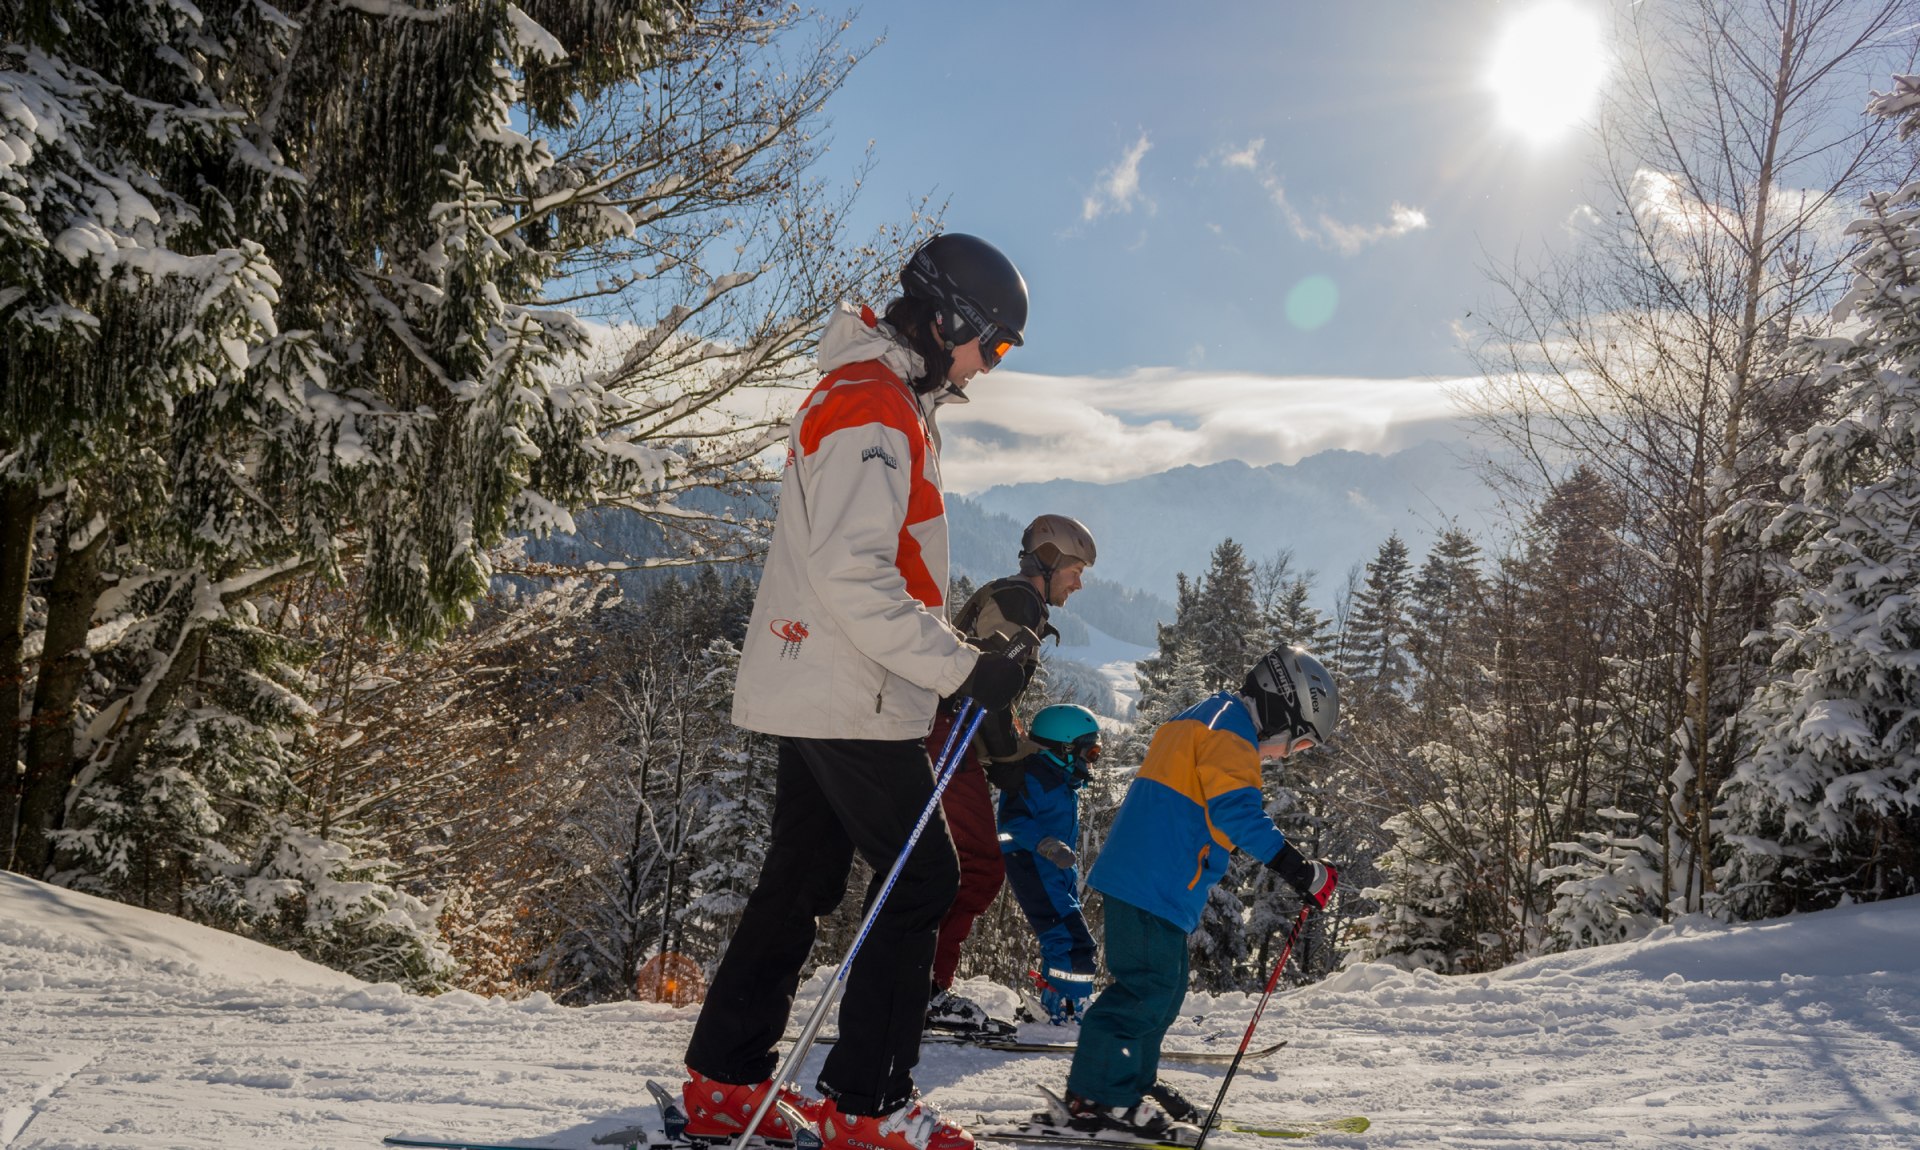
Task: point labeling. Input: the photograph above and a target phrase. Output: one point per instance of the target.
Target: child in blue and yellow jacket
(1039, 823)
(1195, 800)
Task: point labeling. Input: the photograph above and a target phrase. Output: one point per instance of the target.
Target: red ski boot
(914, 1126)
(718, 1111)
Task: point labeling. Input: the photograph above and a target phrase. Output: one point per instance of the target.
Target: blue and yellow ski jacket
(1195, 801)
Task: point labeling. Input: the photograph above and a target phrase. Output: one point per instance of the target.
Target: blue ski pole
(951, 755)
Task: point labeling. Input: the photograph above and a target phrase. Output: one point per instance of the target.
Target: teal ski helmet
(1069, 731)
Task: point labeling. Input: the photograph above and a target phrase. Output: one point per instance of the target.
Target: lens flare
(1312, 302)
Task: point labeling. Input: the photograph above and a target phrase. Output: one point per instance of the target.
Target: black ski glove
(994, 681)
(1000, 674)
(1315, 880)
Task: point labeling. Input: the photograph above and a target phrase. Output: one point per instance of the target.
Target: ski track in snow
(1801, 1033)
(60, 1070)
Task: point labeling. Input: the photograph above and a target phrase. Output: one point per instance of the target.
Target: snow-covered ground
(124, 1029)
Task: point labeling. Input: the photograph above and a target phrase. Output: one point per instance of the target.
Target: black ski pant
(831, 798)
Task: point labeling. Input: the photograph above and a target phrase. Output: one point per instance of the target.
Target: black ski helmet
(1293, 695)
(975, 290)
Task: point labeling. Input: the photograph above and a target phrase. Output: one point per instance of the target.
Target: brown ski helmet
(1051, 540)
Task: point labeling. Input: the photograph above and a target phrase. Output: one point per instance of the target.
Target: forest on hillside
(312, 323)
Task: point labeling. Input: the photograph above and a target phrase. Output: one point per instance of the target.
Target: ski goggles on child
(1085, 749)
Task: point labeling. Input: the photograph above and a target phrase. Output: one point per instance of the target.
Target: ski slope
(120, 1028)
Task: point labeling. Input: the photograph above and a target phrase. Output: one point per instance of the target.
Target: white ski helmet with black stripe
(1293, 695)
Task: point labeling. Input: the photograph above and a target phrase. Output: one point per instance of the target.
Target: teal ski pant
(1118, 1055)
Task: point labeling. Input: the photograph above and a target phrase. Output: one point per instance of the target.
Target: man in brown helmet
(1054, 551)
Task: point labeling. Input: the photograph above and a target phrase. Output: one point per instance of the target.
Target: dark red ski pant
(968, 806)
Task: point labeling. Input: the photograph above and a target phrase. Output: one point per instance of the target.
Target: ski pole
(951, 755)
(1272, 981)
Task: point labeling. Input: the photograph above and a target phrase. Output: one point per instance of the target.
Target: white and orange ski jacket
(849, 637)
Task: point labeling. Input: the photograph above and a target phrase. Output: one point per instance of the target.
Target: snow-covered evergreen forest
(314, 317)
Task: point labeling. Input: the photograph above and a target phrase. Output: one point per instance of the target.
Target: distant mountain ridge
(1332, 509)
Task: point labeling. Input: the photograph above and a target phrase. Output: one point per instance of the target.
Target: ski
(1353, 1124)
(672, 1133)
(1052, 1136)
(1022, 1046)
(1005, 1030)
(1039, 1137)
(472, 1144)
(1016, 1046)
(631, 1139)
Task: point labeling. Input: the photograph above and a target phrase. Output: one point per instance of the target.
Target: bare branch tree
(1659, 351)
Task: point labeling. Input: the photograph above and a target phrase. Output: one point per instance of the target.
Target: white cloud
(1020, 428)
(1322, 229)
(1336, 234)
(1583, 218)
(1350, 238)
(1247, 157)
(1117, 189)
(1664, 203)
(1668, 208)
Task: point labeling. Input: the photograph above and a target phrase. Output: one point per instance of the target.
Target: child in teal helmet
(1039, 823)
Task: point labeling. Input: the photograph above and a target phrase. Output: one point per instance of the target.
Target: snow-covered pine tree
(125, 290)
(1218, 948)
(1291, 619)
(1174, 677)
(1446, 898)
(1509, 774)
(1446, 629)
(339, 901)
(1223, 620)
(1827, 805)
(1376, 661)
(268, 305)
(305, 257)
(1609, 889)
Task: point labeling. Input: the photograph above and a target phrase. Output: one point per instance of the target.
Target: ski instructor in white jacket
(846, 657)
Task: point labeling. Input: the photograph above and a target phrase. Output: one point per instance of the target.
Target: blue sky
(1169, 176)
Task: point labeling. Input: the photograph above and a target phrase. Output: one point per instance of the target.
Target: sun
(1547, 69)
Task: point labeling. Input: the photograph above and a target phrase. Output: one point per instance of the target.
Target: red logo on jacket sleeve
(791, 633)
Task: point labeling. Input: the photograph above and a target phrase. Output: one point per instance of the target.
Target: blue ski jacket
(1046, 805)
